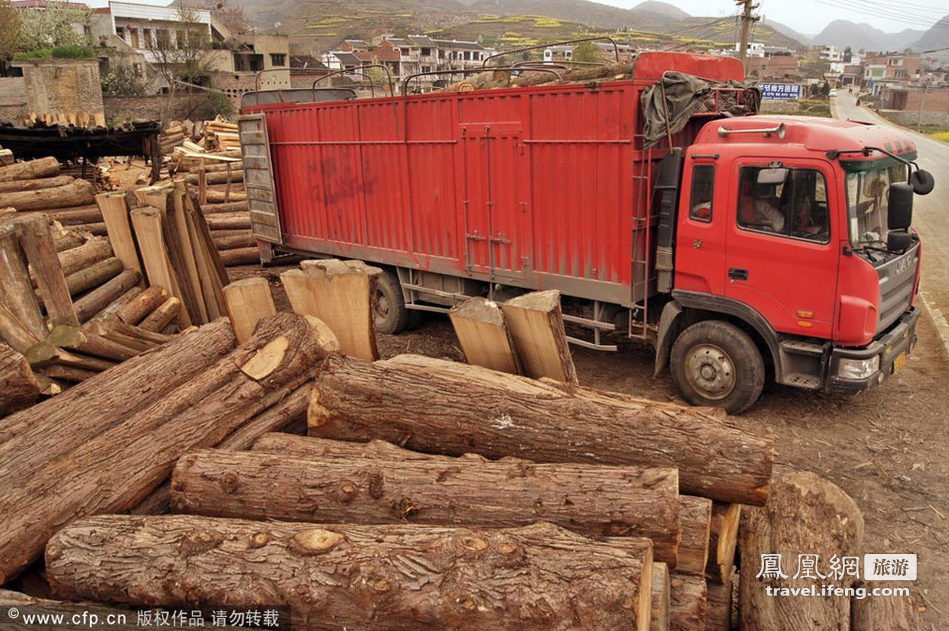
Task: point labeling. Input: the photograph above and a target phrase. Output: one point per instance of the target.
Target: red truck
(744, 248)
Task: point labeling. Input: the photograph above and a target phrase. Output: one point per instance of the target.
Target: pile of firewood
(221, 135)
(37, 186)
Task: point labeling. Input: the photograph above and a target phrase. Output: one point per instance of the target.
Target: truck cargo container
(744, 248)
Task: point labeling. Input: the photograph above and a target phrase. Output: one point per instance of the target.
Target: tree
(58, 24)
(586, 52)
(848, 54)
(122, 81)
(181, 57)
(9, 33)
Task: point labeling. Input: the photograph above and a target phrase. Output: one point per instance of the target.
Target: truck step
(809, 382)
(799, 347)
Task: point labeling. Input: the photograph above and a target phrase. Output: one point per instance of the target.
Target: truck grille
(897, 280)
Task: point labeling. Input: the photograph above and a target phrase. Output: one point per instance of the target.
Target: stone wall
(62, 86)
(779, 107)
(13, 105)
(908, 118)
(126, 108)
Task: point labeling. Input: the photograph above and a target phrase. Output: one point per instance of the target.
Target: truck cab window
(784, 201)
(703, 187)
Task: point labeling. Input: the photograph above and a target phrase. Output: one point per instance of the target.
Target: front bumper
(890, 348)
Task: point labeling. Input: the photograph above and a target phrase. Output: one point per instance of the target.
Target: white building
(755, 49)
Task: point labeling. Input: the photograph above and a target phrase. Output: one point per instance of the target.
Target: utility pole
(747, 19)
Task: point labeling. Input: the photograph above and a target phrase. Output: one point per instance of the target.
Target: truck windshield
(867, 192)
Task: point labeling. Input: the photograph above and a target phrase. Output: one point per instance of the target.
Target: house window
(404, 51)
(146, 37)
(426, 52)
(278, 59)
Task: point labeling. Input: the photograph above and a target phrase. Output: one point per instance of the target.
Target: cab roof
(813, 133)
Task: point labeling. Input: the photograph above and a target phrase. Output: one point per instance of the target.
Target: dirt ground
(886, 447)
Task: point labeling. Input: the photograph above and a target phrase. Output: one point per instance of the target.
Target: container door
(781, 256)
(258, 178)
(495, 198)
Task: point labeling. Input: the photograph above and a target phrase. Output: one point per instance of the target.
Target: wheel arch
(687, 308)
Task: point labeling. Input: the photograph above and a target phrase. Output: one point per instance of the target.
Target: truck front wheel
(388, 305)
(715, 363)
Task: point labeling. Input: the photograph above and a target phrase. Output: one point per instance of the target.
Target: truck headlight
(858, 368)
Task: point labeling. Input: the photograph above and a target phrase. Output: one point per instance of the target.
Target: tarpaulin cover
(686, 95)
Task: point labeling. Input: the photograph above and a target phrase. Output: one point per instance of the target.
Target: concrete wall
(59, 86)
(779, 107)
(123, 108)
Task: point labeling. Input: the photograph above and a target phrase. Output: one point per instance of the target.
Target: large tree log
(36, 184)
(92, 251)
(594, 501)
(93, 276)
(218, 177)
(37, 242)
(805, 514)
(884, 613)
(42, 167)
(536, 324)
(14, 332)
(240, 256)
(74, 215)
(241, 239)
(217, 196)
(718, 613)
(722, 541)
(695, 515)
(660, 597)
(139, 307)
(540, 577)
(448, 407)
(19, 387)
(228, 221)
(119, 466)
(688, 602)
(16, 290)
(91, 344)
(100, 297)
(312, 448)
(77, 193)
(226, 207)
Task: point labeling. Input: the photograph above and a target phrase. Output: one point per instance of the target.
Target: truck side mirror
(922, 182)
(899, 207)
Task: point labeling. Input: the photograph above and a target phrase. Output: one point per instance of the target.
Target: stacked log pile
(37, 186)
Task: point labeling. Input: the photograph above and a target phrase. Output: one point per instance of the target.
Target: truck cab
(793, 258)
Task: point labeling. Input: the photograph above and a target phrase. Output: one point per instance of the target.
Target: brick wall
(59, 86)
(122, 108)
(13, 106)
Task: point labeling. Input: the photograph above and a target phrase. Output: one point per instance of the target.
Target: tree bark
(68, 374)
(19, 387)
(89, 253)
(217, 197)
(695, 514)
(100, 297)
(94, 275)
(593, 501)
(138, 308)
(722, 541)
(235, 241)
(114, 307)
(805, 514)
(162, 316)
(77, 193)
(129, 334)
(240, 256)
(226, 207)
(536, 324)
(46, 354)
(14, 333)
(884, 613)
(36, 184)
(40, 249)
(42, 167)
(96, 229)
(74, 215)
(718, 613)
(217, 177)
(120, 465)
(228, 221)
(688, 602)
(660, 597)
(539, 577)
(91, 344)
(312, 448)
(447, 407)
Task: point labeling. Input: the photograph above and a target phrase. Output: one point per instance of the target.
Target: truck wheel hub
(710, 371)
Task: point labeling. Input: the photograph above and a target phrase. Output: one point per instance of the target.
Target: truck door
(779, 256)
(495, 199)
(700, 250)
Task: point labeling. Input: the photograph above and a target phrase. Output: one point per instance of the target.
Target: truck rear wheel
(717, 364)
(388, 305)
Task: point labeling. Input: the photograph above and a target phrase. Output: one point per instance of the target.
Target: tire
(388, 305)
(717, 364)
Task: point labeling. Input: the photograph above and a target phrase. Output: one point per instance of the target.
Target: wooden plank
(16, 290)
(248, 300)
(536, 325)
(37, 242)
(484, 338)
(175, 250)
(211, 269)
(146, 222)
(115, 214)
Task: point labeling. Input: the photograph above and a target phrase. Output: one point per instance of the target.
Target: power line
(902, 16)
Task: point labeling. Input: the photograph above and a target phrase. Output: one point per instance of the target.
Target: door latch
(500, 240)
(476, 237)
(737, 274)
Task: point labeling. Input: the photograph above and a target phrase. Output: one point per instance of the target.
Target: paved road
(930, 217)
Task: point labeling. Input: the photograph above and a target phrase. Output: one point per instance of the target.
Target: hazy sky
(811, 16)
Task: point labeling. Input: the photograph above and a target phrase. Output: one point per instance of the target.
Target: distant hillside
(934, 38)
(659, 12)
(843, 33)
(788, 32)
(578, 11)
